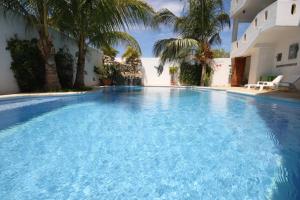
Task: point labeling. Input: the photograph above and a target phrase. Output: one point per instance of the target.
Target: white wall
(289, 72)
(220, 77)
(151, 78)
(264, 62)
(221, 73)
(12, 25)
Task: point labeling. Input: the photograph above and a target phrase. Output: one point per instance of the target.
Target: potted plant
(106, 73)
(173, 72)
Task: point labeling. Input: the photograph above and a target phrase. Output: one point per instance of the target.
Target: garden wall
(150, 75)
(15, 25)
(220, 76)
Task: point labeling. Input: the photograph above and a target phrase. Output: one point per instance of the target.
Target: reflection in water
(283, 120)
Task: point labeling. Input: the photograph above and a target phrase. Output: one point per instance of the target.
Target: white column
(235, 29)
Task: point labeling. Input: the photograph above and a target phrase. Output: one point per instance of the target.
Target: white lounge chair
(266, 84)
(290, 81)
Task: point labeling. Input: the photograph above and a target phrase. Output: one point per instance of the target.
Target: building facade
(265, 40)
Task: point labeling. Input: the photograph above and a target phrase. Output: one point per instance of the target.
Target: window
(293, 51)
(266, 15)
(293, 10)
(279, 57)
(255, 23)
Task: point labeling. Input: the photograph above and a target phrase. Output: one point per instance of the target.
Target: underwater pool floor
(150, 143)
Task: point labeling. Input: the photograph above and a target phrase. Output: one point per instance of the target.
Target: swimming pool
(149, 143)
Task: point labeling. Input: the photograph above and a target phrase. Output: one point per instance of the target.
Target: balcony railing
(280, 13)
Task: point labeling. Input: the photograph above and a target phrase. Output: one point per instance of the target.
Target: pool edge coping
(96, 89)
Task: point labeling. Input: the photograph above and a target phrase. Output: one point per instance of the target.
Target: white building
(270, 44)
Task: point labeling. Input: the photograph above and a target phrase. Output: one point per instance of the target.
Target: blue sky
(147, 38)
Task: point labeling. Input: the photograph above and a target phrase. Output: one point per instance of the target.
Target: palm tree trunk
(48, 52)
(79, 81)
(203, 72)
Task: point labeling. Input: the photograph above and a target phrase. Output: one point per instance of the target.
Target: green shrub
(189, 74)
(173, 70)
(110, 72)
(208, 76)
(64, 64)
(27, 64)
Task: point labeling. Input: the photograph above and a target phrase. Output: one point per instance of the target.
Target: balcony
(246, 10)
(280, 15)
(236, 5)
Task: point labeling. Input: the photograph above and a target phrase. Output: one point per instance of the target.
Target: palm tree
(38, 14)
(131, 54)
(198, 29)
(132, 58)
(100, 23)
(109, 51)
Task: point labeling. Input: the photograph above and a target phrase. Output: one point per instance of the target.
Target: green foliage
(64, 64)
(173, 70)
(220, 53)
(208, 76)
(100, 23)
(105, 71)
(110, 72)
(131, 54)
(110, 51)
(27, 64)
(198, 29)
(189, 74)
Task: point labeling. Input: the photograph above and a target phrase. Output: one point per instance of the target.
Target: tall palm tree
(38, 14)
(198, 29)
(131, 54)
(100, 23)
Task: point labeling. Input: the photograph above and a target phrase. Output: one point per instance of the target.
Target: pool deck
(20, 95)
(289, 95)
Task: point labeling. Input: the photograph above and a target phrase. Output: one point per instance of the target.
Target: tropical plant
(189, 74)
(105, 71)
(198, 29)
(173, 70)
(109, 51)
(220, 53)
(64, 62)
(38, 14)
(131, 54)
(100, 23)
(27, 64)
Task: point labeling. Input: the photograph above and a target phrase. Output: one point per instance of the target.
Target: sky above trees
(148, 37)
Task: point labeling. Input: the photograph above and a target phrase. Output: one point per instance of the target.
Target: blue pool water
(149, 143)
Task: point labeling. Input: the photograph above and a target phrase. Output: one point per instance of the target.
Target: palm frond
(166, 17)
(174, 49)
(115, 38)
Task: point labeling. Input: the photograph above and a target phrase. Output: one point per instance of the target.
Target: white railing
(280, 13)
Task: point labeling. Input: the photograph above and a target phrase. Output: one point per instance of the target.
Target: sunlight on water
(152, 143)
